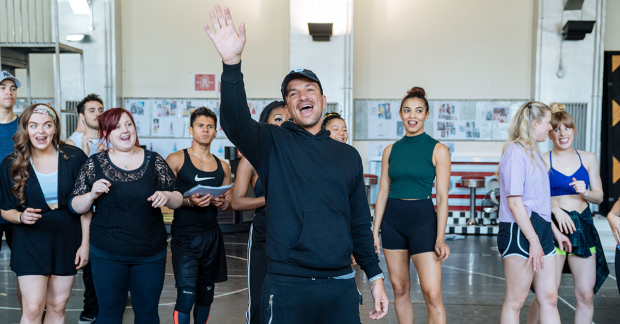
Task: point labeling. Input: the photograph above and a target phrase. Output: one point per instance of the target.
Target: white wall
(475, 49)
(164, 44)
(612, 25)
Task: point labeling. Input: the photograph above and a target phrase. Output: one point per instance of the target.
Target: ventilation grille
(70, 117)
(579, 112)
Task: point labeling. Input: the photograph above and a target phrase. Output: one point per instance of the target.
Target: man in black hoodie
(317, 214)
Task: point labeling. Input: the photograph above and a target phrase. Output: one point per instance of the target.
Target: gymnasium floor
(473, 289)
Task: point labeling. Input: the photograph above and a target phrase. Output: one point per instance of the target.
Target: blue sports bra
(559, 182)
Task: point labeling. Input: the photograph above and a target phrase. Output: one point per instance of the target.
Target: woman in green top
(410, 227)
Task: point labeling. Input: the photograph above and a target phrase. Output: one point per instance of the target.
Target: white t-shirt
(76, 137)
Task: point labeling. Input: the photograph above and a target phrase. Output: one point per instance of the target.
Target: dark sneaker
(86, 319)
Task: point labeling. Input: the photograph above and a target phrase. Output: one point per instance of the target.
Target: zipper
(271, 308)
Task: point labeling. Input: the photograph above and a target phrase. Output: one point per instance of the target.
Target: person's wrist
(586, 194)
(232, 61)
(533, 238)
(20, 218)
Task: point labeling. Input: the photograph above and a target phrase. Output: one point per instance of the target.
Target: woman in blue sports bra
(575, 182)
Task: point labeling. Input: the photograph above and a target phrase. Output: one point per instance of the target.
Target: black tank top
(192, 221)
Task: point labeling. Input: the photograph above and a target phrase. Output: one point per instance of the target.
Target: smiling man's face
(304, 102)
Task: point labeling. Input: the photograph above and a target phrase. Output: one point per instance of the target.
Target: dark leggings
(113, 280)
(257, 271)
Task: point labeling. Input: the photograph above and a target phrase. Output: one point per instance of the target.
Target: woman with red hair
(127, 186)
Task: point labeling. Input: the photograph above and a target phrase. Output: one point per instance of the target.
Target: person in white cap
(8, 127)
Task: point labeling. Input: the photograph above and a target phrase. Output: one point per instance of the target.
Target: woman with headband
(336, 126)
(575, 183)
(410, 227)
(47, 234)
(274, 114)
(525, 237)
(127, 185)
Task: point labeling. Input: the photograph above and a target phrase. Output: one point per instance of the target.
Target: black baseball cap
(299, 73)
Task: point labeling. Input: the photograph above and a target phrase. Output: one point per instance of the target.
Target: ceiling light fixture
(78, 38)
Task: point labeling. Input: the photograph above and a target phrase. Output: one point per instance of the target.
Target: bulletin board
(163, 124)
(449, 120)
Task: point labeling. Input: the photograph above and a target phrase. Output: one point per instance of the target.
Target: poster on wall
(164, 108)
(204, 82)
(167, 127)
(141, 111)
(458, 129)
(447, 111)
(383, 120)
(492, 113)
(376, 148)
(188, 106)
(451, 147)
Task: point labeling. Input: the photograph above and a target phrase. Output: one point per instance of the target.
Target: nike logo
(201, 179)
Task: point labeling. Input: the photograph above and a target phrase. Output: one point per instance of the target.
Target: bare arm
(382, 196)
(515, 203)
(240, 201)
(441, 157)
(223, 202)
(29, 216)
(81, 257)
(613, 218)
(595, 195)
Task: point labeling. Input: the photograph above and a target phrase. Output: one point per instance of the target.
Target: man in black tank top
(198, 256)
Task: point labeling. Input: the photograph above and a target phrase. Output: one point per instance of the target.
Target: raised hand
(228, 43)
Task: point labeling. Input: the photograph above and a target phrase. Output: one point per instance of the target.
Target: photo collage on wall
(170, 118)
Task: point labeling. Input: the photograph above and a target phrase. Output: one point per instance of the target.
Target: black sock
(201, 314)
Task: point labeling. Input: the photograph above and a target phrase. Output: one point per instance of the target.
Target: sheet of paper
(206, 190)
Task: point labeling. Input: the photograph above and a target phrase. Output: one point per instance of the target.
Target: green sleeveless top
(411, 168)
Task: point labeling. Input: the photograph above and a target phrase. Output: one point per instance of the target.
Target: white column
(331, 61)
(582, 63)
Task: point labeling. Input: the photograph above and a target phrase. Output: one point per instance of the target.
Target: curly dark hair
(89, 98)
(331, 116)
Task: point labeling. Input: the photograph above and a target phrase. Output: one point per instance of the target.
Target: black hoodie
(317, 214)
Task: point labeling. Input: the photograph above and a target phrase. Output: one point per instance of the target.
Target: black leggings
(257, 271)
(114, 279)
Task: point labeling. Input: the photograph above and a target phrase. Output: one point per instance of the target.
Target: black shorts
(7, 228)
(198, 260)
(510, 240)
(409, 225)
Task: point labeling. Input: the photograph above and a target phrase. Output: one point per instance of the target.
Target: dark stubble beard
(310, 124)
(89, 125)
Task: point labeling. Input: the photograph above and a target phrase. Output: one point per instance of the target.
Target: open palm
(228, 43)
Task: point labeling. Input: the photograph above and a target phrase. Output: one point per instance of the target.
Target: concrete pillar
(331, 61)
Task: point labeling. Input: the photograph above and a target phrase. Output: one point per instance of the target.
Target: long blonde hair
(521, 129)
(23, 153)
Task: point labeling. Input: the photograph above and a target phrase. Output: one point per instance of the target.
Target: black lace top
(124, 222)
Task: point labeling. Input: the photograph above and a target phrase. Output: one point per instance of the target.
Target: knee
(32, 310)
(548, 299)
(186, 297)
(433, 297)
(515, 303)
(205, 294)
(585, 297)
(401, 288)
(56, 306)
